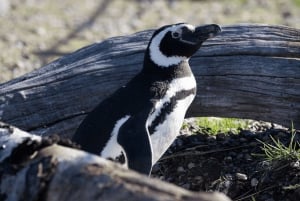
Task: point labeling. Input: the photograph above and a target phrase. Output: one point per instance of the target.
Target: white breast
(166, 132)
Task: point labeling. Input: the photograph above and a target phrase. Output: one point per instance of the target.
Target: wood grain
(32, 170)
(248, 71)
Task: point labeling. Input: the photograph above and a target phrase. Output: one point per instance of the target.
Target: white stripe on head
(157, 56)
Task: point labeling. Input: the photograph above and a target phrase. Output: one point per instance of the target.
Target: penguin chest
(165, 122)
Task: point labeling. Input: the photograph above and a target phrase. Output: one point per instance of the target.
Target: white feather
(179, 84)
(113, 149)
(166, 132)
(157, 56)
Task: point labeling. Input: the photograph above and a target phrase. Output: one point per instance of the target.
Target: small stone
(241, 176)
(191, 165)
(254, 182)
(220, 137)
(199, 178)
(180, 169)
(243, 139)
(240, 156)
(211, 138)
(253, 144)
(228, 159)
(248, 157)
(245, 150)
(229, 177)
(295, 164)
(247, 133)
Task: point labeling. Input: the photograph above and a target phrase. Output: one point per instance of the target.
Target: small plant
(222, 125)
(281, 152)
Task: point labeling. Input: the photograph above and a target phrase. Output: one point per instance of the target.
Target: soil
(232, 163)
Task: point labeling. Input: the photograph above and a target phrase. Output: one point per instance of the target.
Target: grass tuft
(222, 125)
(280, 152)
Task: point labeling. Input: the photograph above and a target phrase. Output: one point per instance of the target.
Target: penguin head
(173, 44)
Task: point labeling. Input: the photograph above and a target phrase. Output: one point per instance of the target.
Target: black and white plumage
(137, 123)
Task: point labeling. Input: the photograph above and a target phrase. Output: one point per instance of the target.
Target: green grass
(297, 2)
(277, 151)
(222, 125)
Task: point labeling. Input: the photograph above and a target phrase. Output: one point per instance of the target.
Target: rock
(228, 159)
(180, 169)
(295, 164)
(241, 176)
(243, 139)
(247, 133)
(191, 165)
(220, 137)
(254, 182)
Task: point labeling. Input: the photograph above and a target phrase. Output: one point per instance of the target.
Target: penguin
(138, 122)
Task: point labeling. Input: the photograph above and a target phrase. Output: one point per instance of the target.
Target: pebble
(241, 176)
(180, 169)
(247, 133)
(191, 165)
(229, 177)
(295, 164)
(220, 137)
(228, 159)
(243, 139)
(232, 153)
(248, 157)
(211, 138)
(199, 178)
(254, 182)
(240, 156)
(253, 144)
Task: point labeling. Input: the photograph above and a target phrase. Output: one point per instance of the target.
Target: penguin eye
(176, 34)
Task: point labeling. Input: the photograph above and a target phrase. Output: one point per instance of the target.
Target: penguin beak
(201, 34)
(207, 31)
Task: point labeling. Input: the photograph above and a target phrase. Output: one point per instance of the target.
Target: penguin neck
(182, 69)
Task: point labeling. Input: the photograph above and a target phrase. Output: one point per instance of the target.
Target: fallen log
(248, 71)
(34, 168)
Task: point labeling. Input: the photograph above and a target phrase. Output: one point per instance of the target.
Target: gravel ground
(232, 164)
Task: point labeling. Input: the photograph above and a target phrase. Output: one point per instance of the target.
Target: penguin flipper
(135, 140)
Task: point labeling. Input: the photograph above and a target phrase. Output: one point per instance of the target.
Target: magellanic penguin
(137, 123)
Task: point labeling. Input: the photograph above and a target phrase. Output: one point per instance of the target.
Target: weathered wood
(248, 71)
(32, 170)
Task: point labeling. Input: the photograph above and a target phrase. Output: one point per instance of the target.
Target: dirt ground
(35, 32)
(234, 164)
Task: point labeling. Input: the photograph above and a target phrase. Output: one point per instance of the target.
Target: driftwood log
(248, 71)
(32, 168)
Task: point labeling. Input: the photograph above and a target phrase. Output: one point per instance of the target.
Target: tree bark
(34, 168)
(248, 71)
